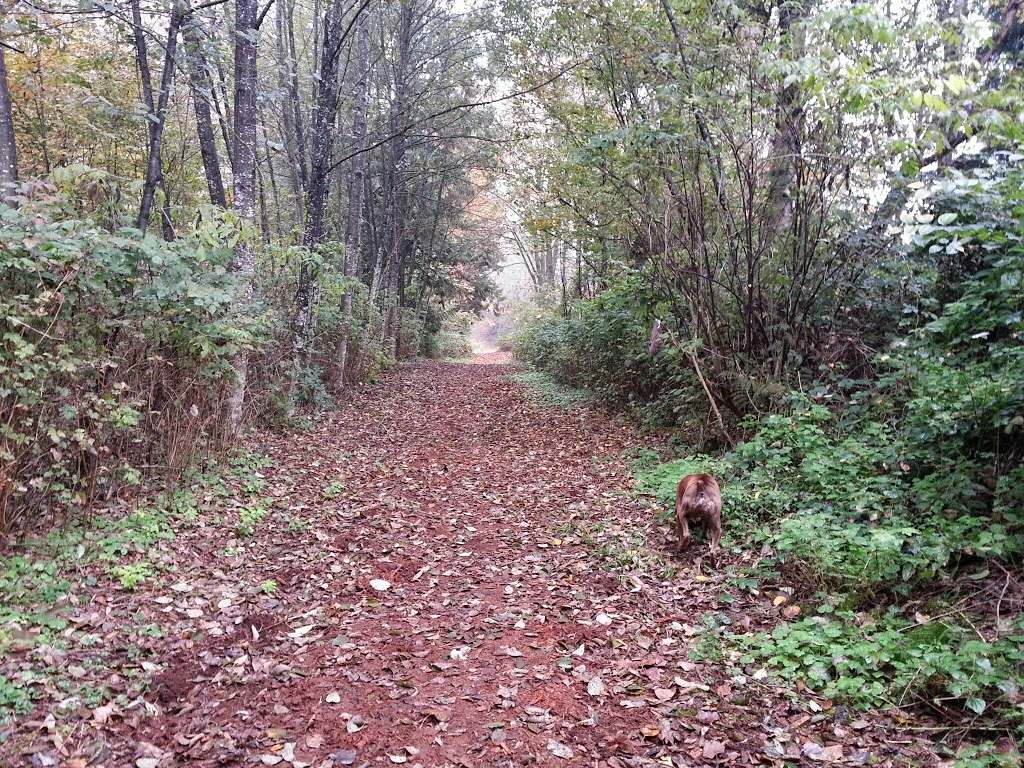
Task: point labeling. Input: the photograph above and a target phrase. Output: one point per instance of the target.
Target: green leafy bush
(858, 513)
(601, 345)
(112, 347)
(961, 374)
(864, 659)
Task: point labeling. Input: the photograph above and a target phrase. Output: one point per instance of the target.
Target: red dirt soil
(470, 584)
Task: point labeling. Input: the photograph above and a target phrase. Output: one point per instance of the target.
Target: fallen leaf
(713, 749)
(664, 694)
(380, 584)
(559, 749)
(821, 754)
(596, 687)
(103, 714)
(686, 685)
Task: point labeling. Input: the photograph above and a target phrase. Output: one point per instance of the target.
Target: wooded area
(354, 139)
(234, 213)
(819, 209)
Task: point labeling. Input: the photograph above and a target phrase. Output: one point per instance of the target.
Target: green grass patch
(542, 389)
(40, 583)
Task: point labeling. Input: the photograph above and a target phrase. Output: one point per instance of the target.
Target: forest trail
(439, 573)
(503, 639)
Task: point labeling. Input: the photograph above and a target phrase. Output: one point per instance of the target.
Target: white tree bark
(8, 151)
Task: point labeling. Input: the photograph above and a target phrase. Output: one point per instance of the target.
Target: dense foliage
(833, 244)
(113, 349)
(322, 210)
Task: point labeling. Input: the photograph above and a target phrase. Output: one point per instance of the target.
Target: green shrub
(844, 501)
(601, 346)
(960, 375)
(864, 660)
(111, 349)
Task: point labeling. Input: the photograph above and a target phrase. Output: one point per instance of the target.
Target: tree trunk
(8, 150)
(785, 145)
(394, 175)
(295, 134)
(202, 90)
(244, 173)
(324, 119)
(356, 189)
(157, 116)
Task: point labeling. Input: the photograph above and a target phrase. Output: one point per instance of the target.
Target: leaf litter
(448, 575)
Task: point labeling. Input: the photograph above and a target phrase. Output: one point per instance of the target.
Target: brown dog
(699, 500)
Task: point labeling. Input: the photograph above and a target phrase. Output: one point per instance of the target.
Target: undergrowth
(907, 570)
(544, 390)
(39, 585)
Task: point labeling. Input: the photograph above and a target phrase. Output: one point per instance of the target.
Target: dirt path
(502, 639)
(440, 574)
